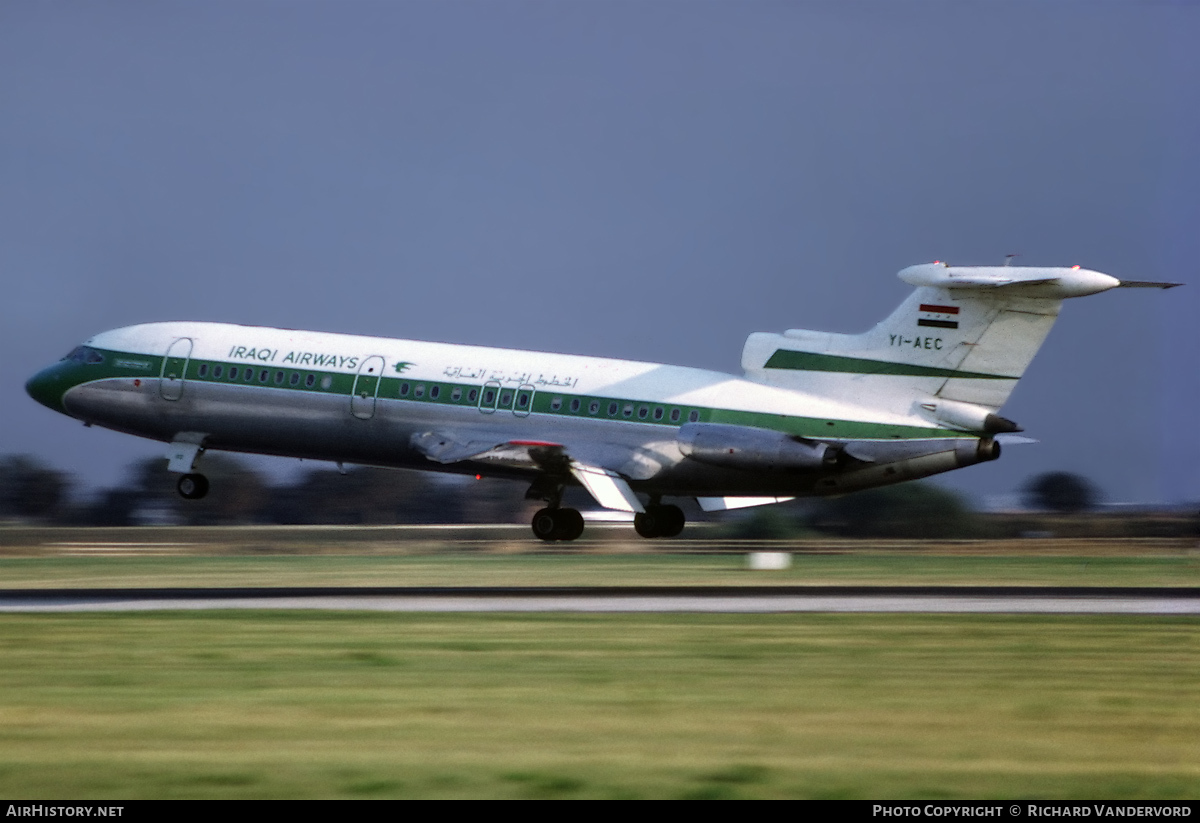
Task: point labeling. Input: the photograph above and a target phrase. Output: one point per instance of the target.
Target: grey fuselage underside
(263, 420)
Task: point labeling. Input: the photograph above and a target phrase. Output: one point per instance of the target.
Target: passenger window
(404, 390)
(628, 410)
(643, 412)
(233, 372)
(488, 397)
(434, 391)
(278, 378)
(456, 395)
(218, 371)
(693, 416)
(203, 371)
(505, 399)
(556, 404)
(522, 400)
(471, 395)
(612, 409)
(594, 407)
(574, 404)
(674, 415)
(263, 375)
(326, 381)
(658, 413)
(419, 390)
(295, 378)
(308, 381)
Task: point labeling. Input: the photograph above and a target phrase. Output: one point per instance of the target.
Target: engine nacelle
(969, 417)
(745, 447)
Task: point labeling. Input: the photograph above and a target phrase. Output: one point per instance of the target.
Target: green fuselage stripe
(399, 389)
(808, 361)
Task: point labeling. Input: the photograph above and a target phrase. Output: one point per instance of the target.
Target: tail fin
(952, 352)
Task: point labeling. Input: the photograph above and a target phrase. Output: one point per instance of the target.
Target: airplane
(814, 414)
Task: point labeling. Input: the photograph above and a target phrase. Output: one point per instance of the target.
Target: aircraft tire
(646, 523)
(546, 524)
(659, 521)
(671, 521)
(570, 524)
(192, 486)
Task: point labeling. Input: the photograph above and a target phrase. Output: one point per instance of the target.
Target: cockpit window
(84, 354)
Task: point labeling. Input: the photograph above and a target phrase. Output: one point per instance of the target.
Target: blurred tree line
(1056, 503)
(30, 491)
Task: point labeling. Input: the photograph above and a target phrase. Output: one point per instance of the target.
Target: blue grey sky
(650, 180)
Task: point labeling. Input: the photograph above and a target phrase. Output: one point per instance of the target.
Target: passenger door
(366, 388)
(174, 369)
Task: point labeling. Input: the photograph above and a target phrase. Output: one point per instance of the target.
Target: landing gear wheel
(557, 524)
(572, 524)
(545, 524)
(659, 521)
(646, 523)
(192, 486)
(672, 521)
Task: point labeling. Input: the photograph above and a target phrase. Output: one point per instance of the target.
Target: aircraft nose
(47, 387)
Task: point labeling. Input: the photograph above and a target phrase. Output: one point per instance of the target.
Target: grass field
(594, 570)
(337, 563)
(375, 705)
(175, 705)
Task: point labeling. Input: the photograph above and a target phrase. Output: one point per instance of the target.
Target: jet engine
(745, 447)
(969, 417)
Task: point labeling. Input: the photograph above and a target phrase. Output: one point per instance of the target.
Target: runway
(727, 599)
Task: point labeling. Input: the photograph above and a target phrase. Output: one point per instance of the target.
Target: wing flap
(608, 488)
(722, 504)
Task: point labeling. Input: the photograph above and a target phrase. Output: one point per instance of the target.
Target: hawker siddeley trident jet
(815, 413)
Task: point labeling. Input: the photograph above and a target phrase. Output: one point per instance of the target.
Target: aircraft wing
(595, 466)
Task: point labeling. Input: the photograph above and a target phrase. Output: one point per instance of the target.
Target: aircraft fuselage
(362, 400)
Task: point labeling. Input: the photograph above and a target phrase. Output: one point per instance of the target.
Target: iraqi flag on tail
(938, 317)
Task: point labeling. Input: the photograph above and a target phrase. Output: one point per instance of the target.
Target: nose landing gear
(192, 486)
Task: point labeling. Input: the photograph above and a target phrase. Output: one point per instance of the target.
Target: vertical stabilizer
(952, 352)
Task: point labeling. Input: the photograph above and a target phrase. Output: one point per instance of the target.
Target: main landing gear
(551, 524)
(659, 521)
(557, 523)
(192, 486)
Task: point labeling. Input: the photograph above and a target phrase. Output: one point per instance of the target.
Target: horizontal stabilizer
(1146, 284)
(609, 488)
(1057, 282)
